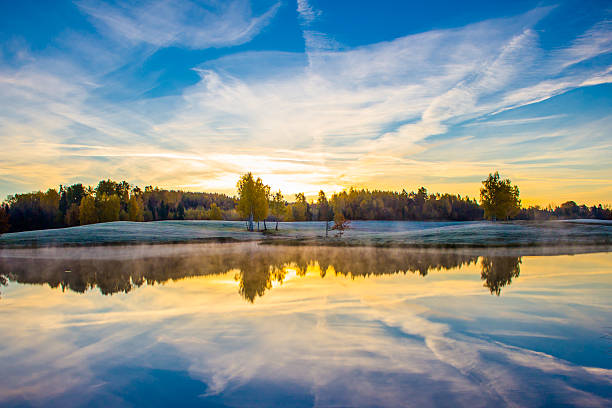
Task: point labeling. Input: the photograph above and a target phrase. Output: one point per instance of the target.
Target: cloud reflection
(352, 338)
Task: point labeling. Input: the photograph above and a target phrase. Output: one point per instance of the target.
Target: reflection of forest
(257, 267)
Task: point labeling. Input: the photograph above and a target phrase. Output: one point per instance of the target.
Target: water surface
(253, 325)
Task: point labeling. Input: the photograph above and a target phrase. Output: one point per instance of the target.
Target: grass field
(405, 233)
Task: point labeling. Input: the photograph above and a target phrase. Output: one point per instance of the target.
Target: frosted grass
(410, 233)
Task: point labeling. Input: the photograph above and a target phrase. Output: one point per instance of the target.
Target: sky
(309, 95)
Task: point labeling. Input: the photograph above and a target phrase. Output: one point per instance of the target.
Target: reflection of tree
(498, 271)
(255, 281)
(257, 267)
(3, 282)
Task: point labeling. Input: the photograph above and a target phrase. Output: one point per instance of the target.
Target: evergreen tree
(4, 218)
(69, 196)
(180, 211)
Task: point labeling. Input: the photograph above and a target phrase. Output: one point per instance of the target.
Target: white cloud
(183, 22)
(306, 12)
(369, 115)
(596, 41)
(394, 340)
(512, 122)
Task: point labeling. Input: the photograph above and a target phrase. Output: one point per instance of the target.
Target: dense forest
(113, 201)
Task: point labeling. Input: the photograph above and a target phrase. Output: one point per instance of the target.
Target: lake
(251, 325)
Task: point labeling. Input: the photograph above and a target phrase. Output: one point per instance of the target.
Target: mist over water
(256, 268)
(257, 325)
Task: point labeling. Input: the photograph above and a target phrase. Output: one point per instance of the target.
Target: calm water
(252, 325)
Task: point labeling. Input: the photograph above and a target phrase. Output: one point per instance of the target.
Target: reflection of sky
(386, 340)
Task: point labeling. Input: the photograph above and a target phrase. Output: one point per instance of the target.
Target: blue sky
(309, 95)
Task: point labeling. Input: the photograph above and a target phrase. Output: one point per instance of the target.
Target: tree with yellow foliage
(499, 198)
(246, 200)
(253, 199)
(278, 207)
(87, 211)
(108, 207)
(135, 208)
(214, 213)
(262, 200)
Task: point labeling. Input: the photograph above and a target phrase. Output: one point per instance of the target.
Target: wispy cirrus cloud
(346, 100)
(184, 22)
(510, 122)
(314, 40)
(380, 114)
(307, 13)
(596, 41)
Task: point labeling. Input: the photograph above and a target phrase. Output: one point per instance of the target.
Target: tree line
(109, 201)
(256, 203)
(499, 200)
